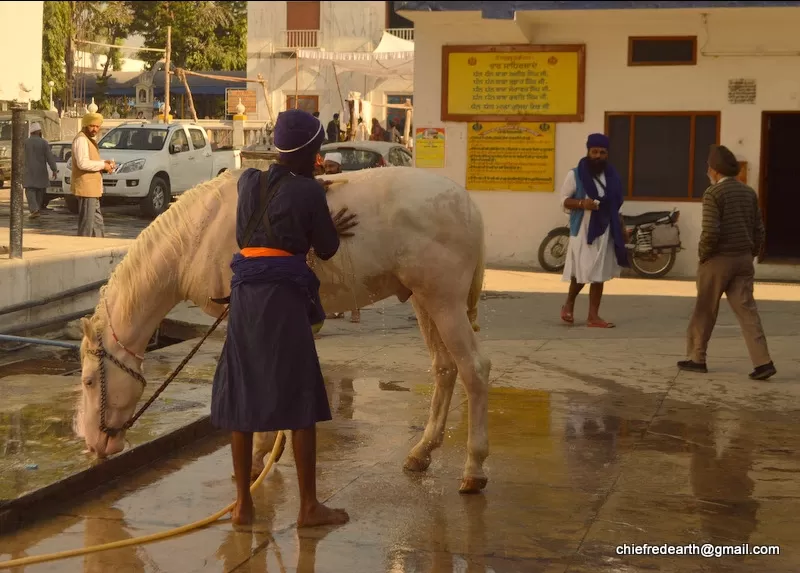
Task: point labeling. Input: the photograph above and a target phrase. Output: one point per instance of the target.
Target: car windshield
(62, 151)
(139, 139)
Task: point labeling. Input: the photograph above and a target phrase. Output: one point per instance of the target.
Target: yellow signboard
(511, 157)
(429, 147)
(513, 83)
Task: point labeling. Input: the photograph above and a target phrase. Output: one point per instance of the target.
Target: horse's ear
(86, 327)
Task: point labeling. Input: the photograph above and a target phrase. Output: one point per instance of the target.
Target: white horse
(418, 233)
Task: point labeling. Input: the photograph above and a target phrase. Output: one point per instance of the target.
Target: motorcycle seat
(645, 218)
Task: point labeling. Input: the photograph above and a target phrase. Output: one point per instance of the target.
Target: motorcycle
(653, 244)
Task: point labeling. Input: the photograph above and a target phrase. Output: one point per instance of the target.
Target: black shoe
(690, 366)
(764, 372)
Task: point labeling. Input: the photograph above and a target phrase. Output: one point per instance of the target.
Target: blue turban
(597, 140)
(298, 131)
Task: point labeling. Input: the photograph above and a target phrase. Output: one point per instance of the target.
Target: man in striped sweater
(732, 236)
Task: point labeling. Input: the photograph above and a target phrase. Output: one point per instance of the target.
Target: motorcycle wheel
(555, 244)
(653, 266)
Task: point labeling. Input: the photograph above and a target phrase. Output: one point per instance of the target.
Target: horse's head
(112, 384)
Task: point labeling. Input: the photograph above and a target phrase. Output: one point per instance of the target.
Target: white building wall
(516, 222)
(345, 27)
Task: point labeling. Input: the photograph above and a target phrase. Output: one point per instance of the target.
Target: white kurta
(595, 263)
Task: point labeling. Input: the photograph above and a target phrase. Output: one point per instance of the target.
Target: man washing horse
(269, 376)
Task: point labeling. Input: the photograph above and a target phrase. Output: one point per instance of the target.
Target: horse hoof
(416, 465)
(472, 485)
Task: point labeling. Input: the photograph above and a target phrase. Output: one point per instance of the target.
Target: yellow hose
(152, 537)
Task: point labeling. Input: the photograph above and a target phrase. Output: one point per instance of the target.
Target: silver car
(358, 155)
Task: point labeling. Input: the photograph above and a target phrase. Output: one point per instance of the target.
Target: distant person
(394, 133)
(732, 236)
(38, 157)
(333, 129)
(592, 195)
(378, 133)
(332, 163)
(86, 177)
(362, 133)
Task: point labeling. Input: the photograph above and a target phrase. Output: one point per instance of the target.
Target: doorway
(780, 185)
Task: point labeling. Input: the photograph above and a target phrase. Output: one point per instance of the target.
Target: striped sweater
(732, 223)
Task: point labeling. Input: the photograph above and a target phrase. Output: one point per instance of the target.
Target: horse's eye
(87, 383)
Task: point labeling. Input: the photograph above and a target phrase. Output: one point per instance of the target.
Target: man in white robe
(597, 260)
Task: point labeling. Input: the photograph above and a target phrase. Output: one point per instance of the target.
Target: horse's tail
(475, 288)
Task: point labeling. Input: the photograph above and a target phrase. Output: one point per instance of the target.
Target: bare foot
(243, 511)
(322, 515)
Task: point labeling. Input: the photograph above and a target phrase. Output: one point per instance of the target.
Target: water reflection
(112, 527)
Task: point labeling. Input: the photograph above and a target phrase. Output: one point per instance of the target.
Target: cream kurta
(595, 263)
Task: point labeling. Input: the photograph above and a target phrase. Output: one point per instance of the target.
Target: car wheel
(157, 199)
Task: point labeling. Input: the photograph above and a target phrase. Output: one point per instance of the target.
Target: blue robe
(268, 376)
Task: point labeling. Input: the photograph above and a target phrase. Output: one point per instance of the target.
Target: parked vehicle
(653, 244)
(63, 151)
(156, 162)
(51, 131)
(358, 155)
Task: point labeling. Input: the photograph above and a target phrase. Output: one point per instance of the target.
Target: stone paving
(121, 221)
(596, 441)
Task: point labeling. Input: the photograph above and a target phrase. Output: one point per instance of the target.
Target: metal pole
(17, 165)
(40, 341)
(166, 74)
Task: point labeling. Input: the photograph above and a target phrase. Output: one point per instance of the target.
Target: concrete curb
(48, 500)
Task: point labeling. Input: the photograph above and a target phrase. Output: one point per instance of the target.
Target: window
(302, 24)
(140, 139)
(356, 159)
(662, 155)
(399, 156)
(179, 140)
(309, 103)
(62, 152)
(662, 51)
(198, 139)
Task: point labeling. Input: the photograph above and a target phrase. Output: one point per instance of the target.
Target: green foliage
(205, 35)
(54, 36)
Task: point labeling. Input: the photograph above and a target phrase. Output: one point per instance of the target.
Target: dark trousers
(732, 276)
(90, 219)
(35, 196)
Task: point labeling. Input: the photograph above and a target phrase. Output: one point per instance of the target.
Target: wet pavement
(121, 221)
(595, 441)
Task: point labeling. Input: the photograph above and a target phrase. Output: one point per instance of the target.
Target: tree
(54, 45)
(106, 22)
(205, 35)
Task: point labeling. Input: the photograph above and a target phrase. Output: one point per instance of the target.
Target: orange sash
(264, 252)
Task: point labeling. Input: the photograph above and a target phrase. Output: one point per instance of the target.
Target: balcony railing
(402, 33)
(299, 39)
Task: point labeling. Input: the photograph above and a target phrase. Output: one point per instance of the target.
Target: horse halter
(100, 353)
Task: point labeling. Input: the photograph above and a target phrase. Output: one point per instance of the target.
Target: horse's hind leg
(460, 340)
(445, 371)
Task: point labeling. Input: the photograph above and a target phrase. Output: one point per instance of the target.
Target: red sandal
(567, 316)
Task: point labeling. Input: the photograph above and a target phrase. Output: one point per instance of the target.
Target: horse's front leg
(263, 442)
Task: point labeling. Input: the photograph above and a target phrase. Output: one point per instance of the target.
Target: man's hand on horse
(344, 221)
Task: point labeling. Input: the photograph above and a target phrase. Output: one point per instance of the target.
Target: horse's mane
(167, 235)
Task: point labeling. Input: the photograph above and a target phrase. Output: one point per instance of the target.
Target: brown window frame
(301, 97)
(629, 196)
(632, 39)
